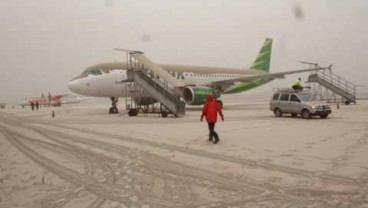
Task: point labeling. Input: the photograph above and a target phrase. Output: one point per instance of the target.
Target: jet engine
(197, 95)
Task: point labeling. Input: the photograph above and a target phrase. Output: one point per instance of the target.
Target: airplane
(50, 100)
(105, 79)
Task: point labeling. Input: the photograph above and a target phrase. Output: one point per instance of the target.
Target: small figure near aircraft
(50, 100)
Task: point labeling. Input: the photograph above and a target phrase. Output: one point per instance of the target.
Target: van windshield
(304, 96)
(308, 97)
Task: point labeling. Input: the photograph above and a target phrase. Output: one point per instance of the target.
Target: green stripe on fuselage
(247, 86)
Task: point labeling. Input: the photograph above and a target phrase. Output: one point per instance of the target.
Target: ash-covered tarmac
(84, 157)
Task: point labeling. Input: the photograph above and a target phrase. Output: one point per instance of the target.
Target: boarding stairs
(157, 82)
(336, 84)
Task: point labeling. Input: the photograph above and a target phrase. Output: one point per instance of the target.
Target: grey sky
(45, 43)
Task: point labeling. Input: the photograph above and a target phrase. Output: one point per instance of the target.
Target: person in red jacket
(210, 110)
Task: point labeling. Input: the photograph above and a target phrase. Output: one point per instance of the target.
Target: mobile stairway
(156, 82)
(335, 84)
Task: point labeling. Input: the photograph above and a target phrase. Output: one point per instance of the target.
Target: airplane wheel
(164, 114)
(135, 112)
(131, 113)
(113, 110)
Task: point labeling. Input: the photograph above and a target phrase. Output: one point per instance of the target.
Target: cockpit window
(96, 72)
(92, 71)
(85, 73)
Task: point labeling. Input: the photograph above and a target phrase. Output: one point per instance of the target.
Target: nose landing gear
(114, 109)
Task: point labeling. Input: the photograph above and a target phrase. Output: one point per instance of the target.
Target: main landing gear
(114, 109)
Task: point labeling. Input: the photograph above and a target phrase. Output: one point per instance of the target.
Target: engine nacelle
(197, 95)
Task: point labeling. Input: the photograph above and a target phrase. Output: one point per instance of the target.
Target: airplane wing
(57, 97)
(70, 99)
(277, 75)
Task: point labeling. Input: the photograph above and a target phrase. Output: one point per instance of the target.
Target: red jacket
(210, 110)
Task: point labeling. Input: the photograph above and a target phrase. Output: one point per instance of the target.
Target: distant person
(37, 105)
(297, 85)
(32, 105)
(210, 110)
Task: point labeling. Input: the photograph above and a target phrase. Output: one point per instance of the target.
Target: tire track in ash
(71, 153)
(154, 162)
(157, 164)
(158, 169)
(178, 173)
(88, 161)
(263, 187)
(330, 178)
(35, 158)
(291, 191)
(171, 166)
(247, 162)
(112, 192)
(85, 159)
(188, 177)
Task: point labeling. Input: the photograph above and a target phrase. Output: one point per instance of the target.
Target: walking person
(210, 110)
(32, 105)
(37, 105)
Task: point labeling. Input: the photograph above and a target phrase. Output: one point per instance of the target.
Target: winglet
(127, 50)
(330, 67)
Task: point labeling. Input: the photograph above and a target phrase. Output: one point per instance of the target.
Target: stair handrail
(338, 81)
(159, 85)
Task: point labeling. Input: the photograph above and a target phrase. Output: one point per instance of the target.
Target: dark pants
(298, 88)
(211, 127)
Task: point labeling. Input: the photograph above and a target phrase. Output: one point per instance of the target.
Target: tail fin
(263, 59)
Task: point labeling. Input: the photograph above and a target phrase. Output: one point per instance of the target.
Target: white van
(298, 102)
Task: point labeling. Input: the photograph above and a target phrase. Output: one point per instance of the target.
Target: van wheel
(306, 114)
(131, 112)
(135, 112)
(323, 116)
(277, 112)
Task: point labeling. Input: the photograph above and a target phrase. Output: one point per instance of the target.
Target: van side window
(275, 96)
(294, 98)
(284, 97)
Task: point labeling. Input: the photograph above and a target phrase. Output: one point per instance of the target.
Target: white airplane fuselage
(113, 82)
(104, 85)
(192, 83)
(111, 79)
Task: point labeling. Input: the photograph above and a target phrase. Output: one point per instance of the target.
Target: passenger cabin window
(284, 97)
(294, 98)
(276, 96)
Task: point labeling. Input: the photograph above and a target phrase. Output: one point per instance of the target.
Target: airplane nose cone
(72, 85)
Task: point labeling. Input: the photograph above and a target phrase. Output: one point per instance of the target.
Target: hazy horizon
(45, 43)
